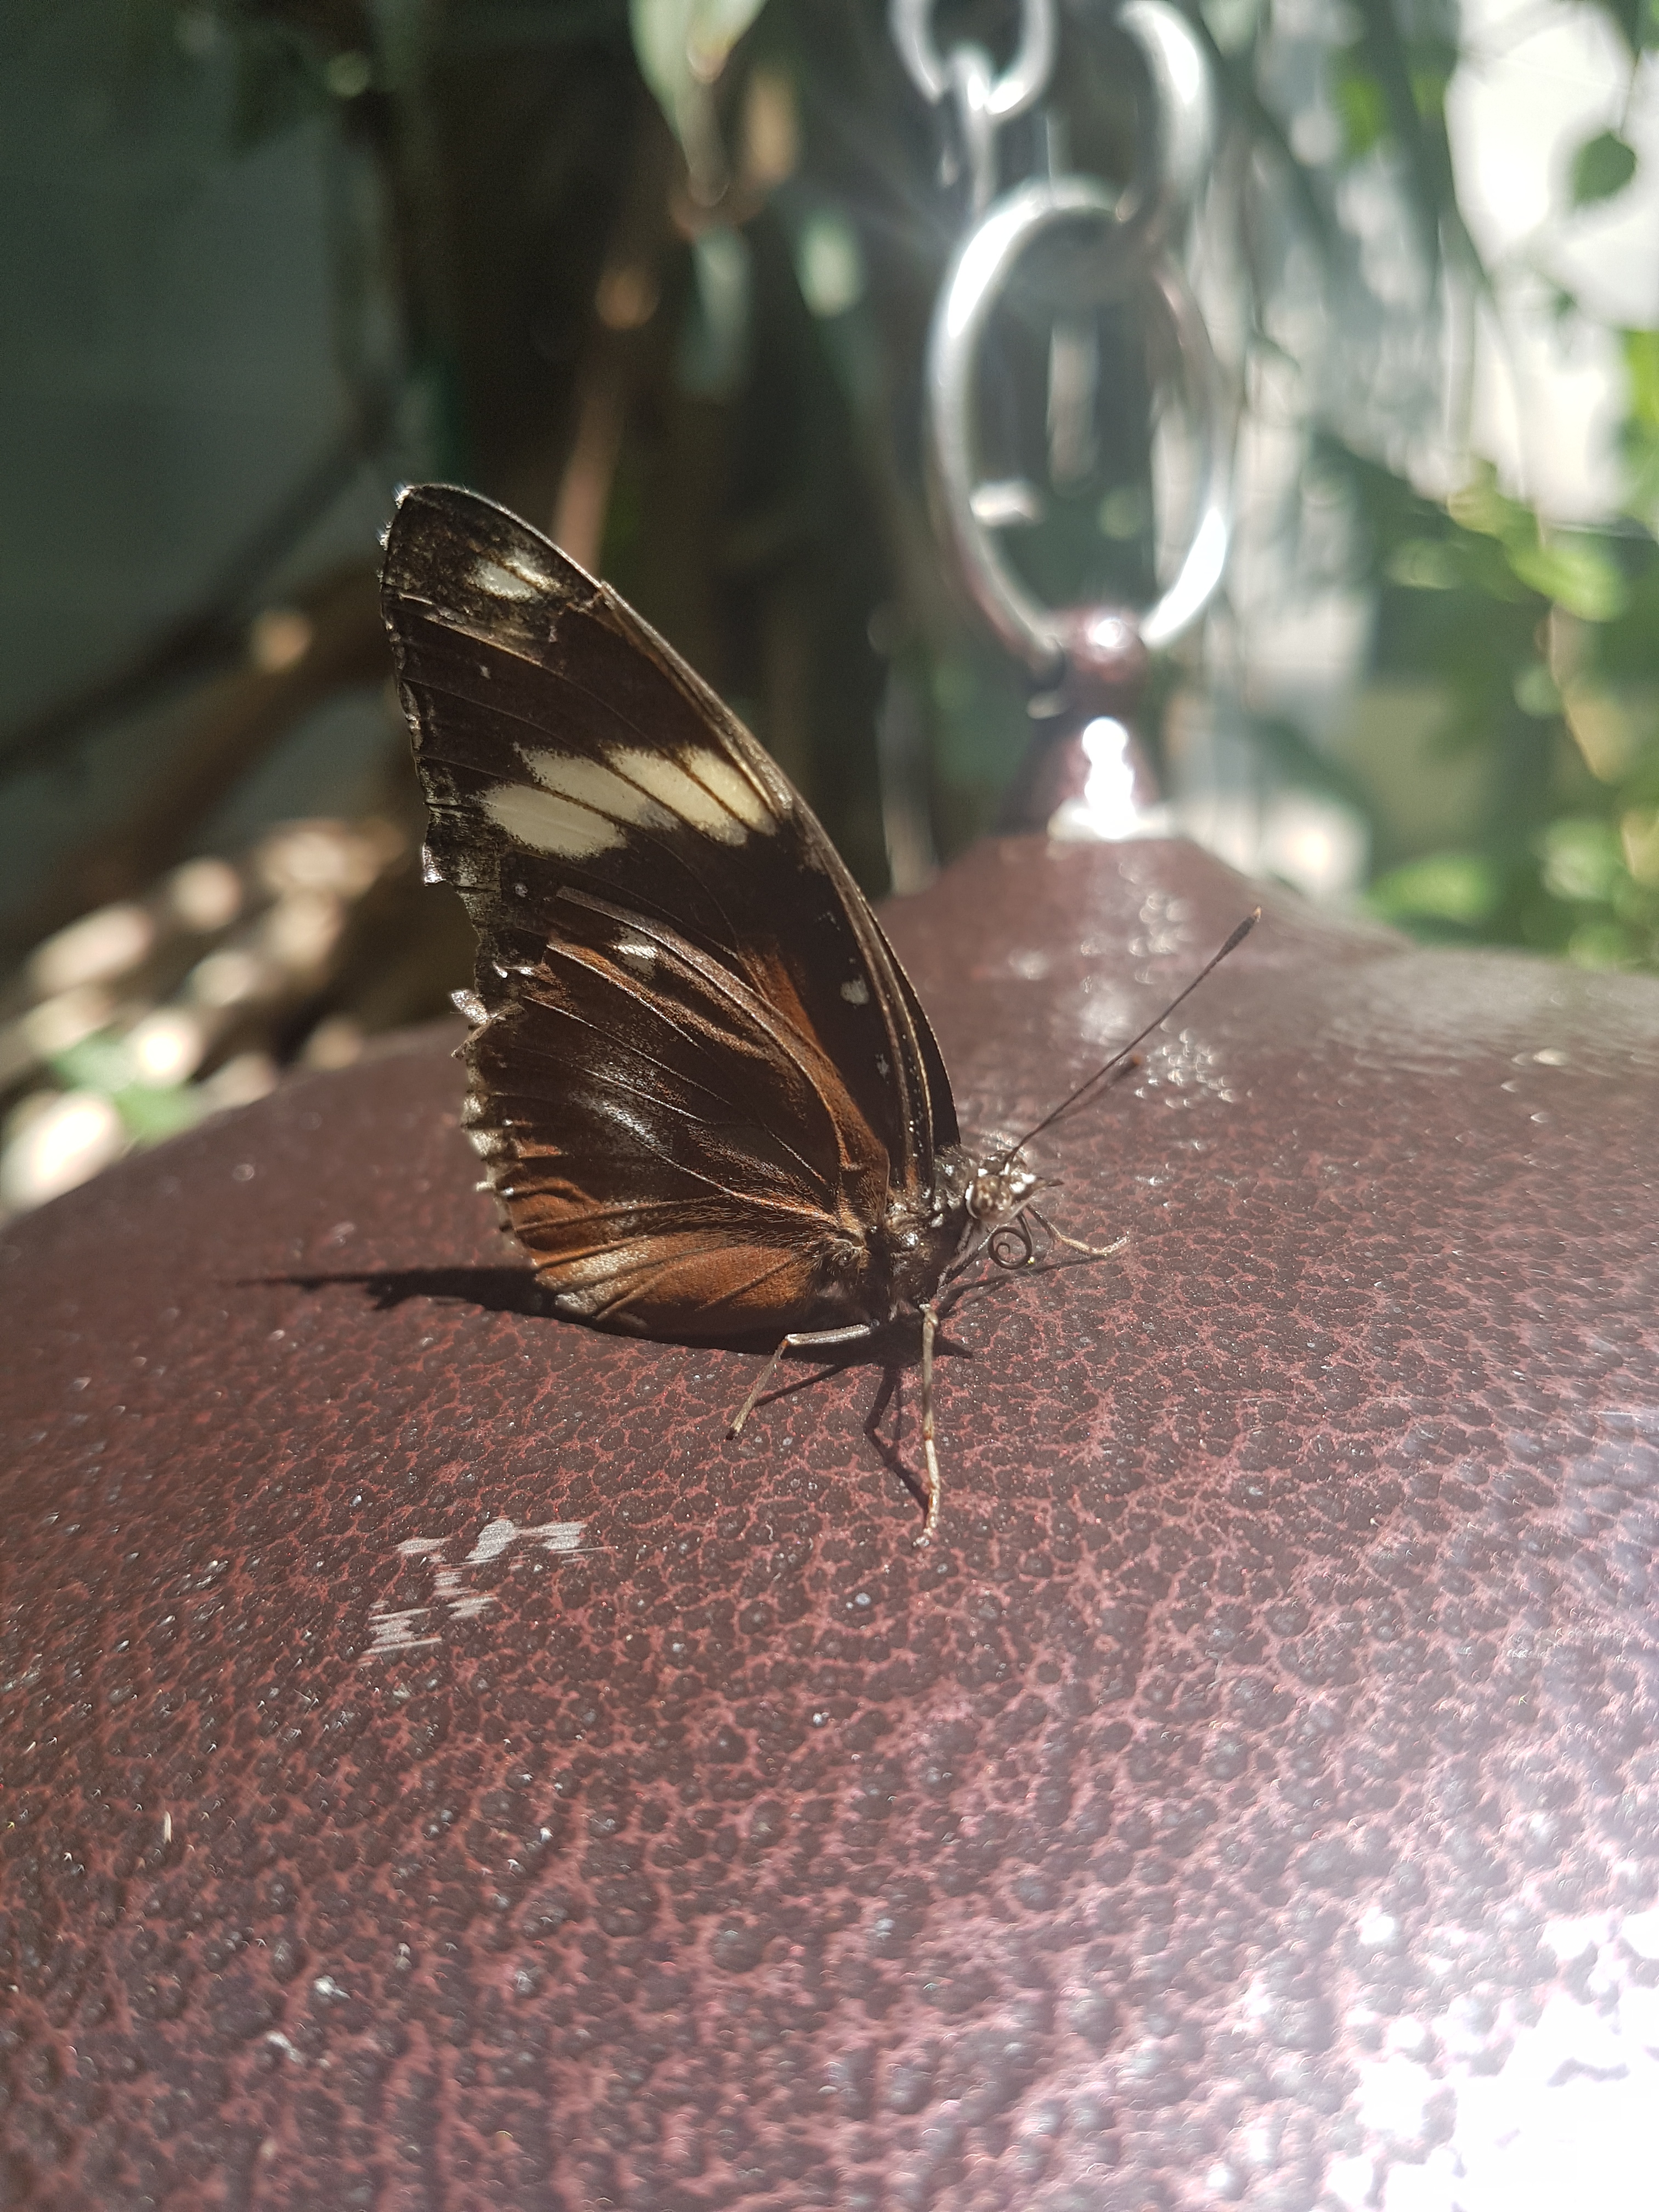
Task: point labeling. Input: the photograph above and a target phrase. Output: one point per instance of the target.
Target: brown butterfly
(706, 1096)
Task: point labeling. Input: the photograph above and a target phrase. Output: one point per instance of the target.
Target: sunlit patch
(587, 1282)
(610, 789)
(502, 583)
(547, 822)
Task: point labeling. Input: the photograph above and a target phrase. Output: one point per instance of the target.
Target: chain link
(1121, 244)
(1021, 84)
(971, 83)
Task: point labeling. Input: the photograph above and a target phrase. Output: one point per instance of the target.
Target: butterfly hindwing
(700, 1067)
(696, 1135)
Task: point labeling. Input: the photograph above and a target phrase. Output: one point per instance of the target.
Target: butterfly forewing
(701, 1075)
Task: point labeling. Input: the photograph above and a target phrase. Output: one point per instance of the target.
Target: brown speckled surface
(1252, 1799)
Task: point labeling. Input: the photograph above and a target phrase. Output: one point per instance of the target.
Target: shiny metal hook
(971, 81)
(1021, 83)
(1177, 136)
(1040, 635)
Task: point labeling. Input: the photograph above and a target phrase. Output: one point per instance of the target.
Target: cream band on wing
(579, 807)
(610, 787)
(704, 791)
(546, 823)
(507, 583)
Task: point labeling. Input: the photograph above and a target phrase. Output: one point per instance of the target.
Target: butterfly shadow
(488, 1290)
(895, 1348)
(491, 1289)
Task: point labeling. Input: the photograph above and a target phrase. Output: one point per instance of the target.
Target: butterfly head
(978, 1193)
(998, 1189)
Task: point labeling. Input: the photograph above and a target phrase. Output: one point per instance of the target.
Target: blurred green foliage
(1544, 640)
(676, 260)
(1546, 646)
(105, 1064)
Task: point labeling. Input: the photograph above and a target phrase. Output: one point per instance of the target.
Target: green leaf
(1481, 507)
(1429, 90)
(1463, 887)
(1638, 434)
(1362, 107)
(1602, 166)
(1574, 572)
(1583, 860)
(152, 1114)
(1625, 16)
(1638, 446)
(101, 1062)
(1641, 352)
(1432, 62)
(1601, 944)
(1578, 576)
(1536, 692)
(1426, 564)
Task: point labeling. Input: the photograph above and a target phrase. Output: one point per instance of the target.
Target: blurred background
(659, 277)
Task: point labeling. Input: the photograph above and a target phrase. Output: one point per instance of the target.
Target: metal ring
(1020, 83)
(1177, 126)
(976, 277)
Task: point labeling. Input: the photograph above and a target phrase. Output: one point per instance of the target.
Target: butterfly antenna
(1075, 1098)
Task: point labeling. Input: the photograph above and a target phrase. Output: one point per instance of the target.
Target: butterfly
(707, 1097)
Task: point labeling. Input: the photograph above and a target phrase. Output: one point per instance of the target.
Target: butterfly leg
(1093, 1251)
(929, 1449)
(800, 1339)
